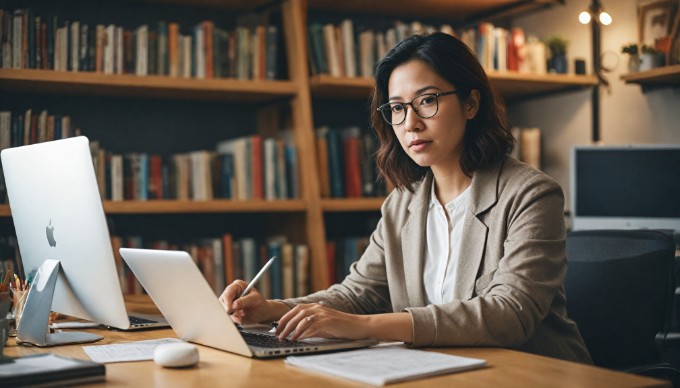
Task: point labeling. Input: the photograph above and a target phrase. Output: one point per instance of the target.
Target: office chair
(620, 286)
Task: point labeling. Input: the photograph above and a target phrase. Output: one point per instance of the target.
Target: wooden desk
(507, 368)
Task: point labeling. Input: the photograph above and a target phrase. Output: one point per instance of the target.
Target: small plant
(557, 45)
(630, 49)
(648, 49)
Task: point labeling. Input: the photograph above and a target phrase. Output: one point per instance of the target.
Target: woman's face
(435, 142)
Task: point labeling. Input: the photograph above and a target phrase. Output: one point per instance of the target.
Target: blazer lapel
(483, 195)
(413, 243)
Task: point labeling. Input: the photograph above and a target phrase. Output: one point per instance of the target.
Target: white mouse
(175, 355)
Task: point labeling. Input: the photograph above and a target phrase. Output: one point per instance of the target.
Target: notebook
(185, 299)
(385, 365)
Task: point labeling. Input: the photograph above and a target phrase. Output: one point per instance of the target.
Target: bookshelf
(661, 76)
(303, 219)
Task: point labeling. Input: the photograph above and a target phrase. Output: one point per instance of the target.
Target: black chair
(620, 286)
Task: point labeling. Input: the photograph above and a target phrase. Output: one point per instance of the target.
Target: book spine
(271, 52)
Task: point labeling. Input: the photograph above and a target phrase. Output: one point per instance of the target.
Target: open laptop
(184, 297)
(58, 214)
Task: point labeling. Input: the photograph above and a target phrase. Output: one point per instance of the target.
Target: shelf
(661, 76)
(511, 85)
(325, 86)
(179, 207)
(89, 83)
(453, 11)
(352, 204)
(514, 86)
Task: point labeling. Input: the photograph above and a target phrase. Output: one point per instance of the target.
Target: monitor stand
(33, 327)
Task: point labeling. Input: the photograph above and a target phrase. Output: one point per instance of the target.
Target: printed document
(384, 365)
(131, 351)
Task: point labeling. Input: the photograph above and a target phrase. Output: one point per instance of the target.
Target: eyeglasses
(425, 106)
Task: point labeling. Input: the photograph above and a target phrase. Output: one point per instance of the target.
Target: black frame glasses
(387, 109)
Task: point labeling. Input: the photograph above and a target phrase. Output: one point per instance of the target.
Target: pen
(255, 279)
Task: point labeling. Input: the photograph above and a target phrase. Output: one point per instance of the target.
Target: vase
(633, 63)
(557, 64)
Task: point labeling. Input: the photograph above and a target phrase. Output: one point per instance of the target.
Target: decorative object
(633, 57)
(557, 63)
(655, 22)
(580, 66)
(650, 58)
(673, 57)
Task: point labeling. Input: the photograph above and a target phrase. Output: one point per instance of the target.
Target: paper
(384, 365)
(131, 351)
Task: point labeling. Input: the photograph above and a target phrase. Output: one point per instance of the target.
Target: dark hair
(487, 139)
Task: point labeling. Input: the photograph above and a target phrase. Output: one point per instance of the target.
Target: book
(385, 365)
(49, 368)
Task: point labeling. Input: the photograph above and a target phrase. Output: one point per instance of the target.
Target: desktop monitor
(58, 214)
(626, 187)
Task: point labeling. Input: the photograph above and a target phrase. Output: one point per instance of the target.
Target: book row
(341, 253)
(251, 167)
(203, 51)
(341, 51)
(246, 168)
(227, 258)
(346, 163)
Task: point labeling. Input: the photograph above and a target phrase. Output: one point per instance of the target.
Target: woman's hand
(316, 320)
(252, 308)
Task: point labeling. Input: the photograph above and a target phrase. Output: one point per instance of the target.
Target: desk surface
(507, 368)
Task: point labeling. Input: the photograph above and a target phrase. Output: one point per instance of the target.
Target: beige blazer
(509, 289)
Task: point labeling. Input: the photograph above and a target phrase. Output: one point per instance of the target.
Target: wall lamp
(604, 18)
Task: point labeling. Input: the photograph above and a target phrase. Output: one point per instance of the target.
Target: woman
(470, 249)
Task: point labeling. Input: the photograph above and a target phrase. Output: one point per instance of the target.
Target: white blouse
(443, 246)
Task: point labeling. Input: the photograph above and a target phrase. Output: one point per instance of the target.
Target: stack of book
(226, 258)
(203, 51)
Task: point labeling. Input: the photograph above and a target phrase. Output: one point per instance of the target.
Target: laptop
(58, 213)
(184, 297)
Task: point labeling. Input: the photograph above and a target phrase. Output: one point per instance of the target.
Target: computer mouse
(176, 355)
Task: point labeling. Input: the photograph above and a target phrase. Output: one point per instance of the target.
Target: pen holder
(5, 302)
(20, 297)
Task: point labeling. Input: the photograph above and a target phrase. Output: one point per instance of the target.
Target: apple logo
(49, 230)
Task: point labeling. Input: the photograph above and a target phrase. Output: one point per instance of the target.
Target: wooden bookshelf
(151, 86)
(180, 207)
(302, 219)
(511, 85)
(454, 11)
(661, 76)
(352, 204)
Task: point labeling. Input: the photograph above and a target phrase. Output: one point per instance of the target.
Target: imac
(61, 226)
(626, 187)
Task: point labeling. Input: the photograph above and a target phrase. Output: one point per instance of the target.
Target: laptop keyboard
(269, 341)
(137, 321)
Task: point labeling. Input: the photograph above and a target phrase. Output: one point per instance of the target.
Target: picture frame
(673, 57)
(655, 22)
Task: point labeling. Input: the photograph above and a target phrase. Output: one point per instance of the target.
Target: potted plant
(558, 53)
(633, 56)
(650, 57)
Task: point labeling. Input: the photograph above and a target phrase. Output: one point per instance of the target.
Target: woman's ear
(471, 105)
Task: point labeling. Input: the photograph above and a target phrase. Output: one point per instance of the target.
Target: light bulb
(605, 18)
(584, 17)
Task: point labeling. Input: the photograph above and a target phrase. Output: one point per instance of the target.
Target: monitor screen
(58, 214)
(626, 187)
